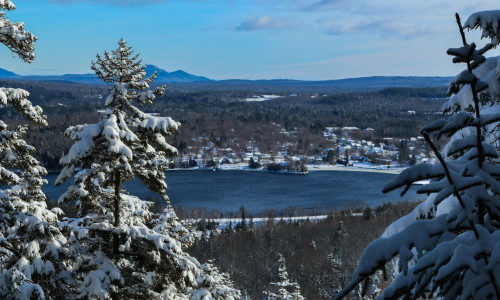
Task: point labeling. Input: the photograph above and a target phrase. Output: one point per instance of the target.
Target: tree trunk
(118, 183)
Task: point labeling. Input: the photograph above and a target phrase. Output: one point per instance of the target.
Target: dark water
(257, 191)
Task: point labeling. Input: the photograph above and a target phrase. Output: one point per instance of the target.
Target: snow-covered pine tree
(284, 288)
(449, 246)
(32, 255)
(169, 223)
(123, 252)
(32, 252)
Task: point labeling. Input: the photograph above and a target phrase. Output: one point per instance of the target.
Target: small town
(345, 148)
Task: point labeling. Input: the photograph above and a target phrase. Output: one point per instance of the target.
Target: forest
(320, 255)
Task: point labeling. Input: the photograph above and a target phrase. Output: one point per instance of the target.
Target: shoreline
(311, 168)
(355, 169)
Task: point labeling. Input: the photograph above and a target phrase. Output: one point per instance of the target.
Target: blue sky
(254, 39)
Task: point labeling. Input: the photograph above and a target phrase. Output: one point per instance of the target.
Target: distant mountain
(7, 74)
(360, 83)
(75, 78)
(394, 81)
(181, 77)
(163, 77)
(176, 76)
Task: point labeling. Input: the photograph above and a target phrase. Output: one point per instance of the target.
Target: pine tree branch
(481, 156)
(480, 148)
(460, 200)
(117, 213)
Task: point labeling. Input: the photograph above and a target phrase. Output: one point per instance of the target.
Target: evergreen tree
(252, 164)
(251, 223)
(448, 246)
(242, 225)
(146, 258)
(32, 256)
(403, 153)
(346, 157)
(285, 289)
(331, 156)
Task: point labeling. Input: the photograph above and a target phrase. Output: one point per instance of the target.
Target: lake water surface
(257, 191)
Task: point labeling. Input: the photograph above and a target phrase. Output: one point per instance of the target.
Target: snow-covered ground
(223, 167)
(224, 222)
(357, 167)
(238, 166)
(262, 98)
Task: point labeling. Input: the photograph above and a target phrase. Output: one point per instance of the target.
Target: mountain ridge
(163, 76)
(180, 76)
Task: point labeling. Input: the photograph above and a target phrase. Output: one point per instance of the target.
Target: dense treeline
(321, 255)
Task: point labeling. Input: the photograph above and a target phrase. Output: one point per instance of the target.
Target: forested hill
(162, 77)
(190, 81)
(350, 84)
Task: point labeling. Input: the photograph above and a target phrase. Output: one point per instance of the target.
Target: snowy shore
(355, 168)
(358, 167)
(224, 222)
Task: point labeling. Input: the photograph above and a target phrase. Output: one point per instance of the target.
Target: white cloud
(390, 18)
(263, 23)
(384, 18)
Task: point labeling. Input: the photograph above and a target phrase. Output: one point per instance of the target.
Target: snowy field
(356, 167)
(224, 222)
(262, 98)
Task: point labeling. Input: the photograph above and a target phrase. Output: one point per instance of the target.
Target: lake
(257, 191)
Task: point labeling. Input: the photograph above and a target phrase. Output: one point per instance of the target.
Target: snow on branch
(14, 36)
(18, 98)
(447, 246)
(488, 21)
